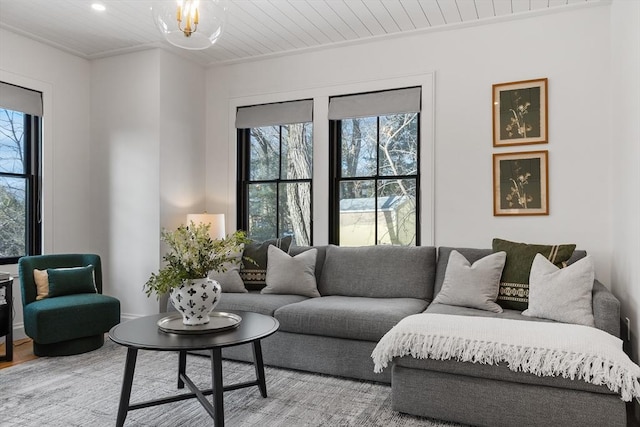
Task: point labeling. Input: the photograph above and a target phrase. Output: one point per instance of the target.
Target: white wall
(64, 81)
(182, 134)
(147, 115)
(123, 145)
(571, 49)
(625, 140)
(125, 120)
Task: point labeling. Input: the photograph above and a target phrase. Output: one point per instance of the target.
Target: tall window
(275, 171)
(375, 168)
(20, 142)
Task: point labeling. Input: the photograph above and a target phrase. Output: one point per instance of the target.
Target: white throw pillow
(474, 286)
(291, 275)
(561, 294)
(230, 279)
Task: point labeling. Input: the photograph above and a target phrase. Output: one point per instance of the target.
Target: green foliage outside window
(13, 184)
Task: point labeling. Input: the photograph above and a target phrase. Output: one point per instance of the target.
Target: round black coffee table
(144, 334)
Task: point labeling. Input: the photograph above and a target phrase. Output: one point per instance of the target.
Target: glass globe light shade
(190, 24)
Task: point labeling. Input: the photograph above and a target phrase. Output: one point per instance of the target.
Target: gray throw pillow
(254, 263)
(291, 275)
(474, 286)
(561, 294)
(229, 278)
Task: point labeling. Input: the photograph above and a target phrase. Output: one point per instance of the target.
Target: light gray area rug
(84, 390)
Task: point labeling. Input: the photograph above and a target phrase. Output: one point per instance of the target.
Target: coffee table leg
(218, 388)
(259, 365)
(182, 367)
(127, 382)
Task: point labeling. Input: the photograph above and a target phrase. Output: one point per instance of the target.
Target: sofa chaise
(493, 395)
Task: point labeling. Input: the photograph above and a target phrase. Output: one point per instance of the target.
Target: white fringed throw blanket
(541, 348)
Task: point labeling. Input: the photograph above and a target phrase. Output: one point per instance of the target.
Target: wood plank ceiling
(255, 28)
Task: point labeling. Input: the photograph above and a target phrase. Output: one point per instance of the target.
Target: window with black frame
(275, 159)
(375, 168)
(20, 153)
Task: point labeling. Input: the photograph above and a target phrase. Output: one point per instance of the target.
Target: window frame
(335, 178)
(244, 181)
(33, 176)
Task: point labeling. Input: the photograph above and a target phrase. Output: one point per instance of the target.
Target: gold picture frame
(520, 113)
(521, 183)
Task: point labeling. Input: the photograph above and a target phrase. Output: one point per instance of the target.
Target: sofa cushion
(514, 284)
(291, 275)
(474, 254)
(229, 278)
(256, 302)
(379, 272)
(561, 294)
(320, 257)
(358, 318)
(254, 263)
(55, 282)
(472, 285)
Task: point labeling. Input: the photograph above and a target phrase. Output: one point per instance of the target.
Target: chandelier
(190, 24)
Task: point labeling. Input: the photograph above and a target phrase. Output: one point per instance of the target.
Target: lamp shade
(215, 221)
(190, 24)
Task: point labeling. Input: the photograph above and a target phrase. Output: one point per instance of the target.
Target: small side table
(6, 319)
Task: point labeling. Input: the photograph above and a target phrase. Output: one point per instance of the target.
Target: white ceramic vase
(195, 299)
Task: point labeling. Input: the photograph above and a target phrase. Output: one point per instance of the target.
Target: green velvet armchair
(64, 310)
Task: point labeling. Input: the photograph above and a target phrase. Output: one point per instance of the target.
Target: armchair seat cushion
(69, 317)
(359, 318)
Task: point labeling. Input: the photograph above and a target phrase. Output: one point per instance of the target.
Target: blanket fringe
(538, 361)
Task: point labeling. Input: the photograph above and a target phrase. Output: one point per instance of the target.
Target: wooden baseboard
(22, 352)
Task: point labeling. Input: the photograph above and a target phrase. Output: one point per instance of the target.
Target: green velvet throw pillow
(68, 281)
(514, 283)
(254, 262)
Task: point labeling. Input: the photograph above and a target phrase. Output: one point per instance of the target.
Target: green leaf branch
(192, 254)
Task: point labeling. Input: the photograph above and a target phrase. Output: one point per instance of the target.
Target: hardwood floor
(22, 352)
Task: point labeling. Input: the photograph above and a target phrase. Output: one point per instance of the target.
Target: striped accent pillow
(514, 283)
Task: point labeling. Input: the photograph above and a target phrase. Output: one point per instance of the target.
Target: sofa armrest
(606, 309)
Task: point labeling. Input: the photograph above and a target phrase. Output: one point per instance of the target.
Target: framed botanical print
(520, 183)
(520, 113)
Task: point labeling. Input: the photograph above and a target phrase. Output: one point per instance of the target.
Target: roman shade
(375, 104)
(282, 113)
(17, 98)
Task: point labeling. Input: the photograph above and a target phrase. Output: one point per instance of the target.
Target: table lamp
(215, 221)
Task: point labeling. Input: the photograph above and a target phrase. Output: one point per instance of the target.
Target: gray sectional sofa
(366, 291)
(489, 395)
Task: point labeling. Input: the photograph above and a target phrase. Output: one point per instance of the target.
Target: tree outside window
(275, 177)
(377, 179)
(19, 226)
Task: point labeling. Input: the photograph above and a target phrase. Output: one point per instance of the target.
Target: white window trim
(47, 150)
(320, 96)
